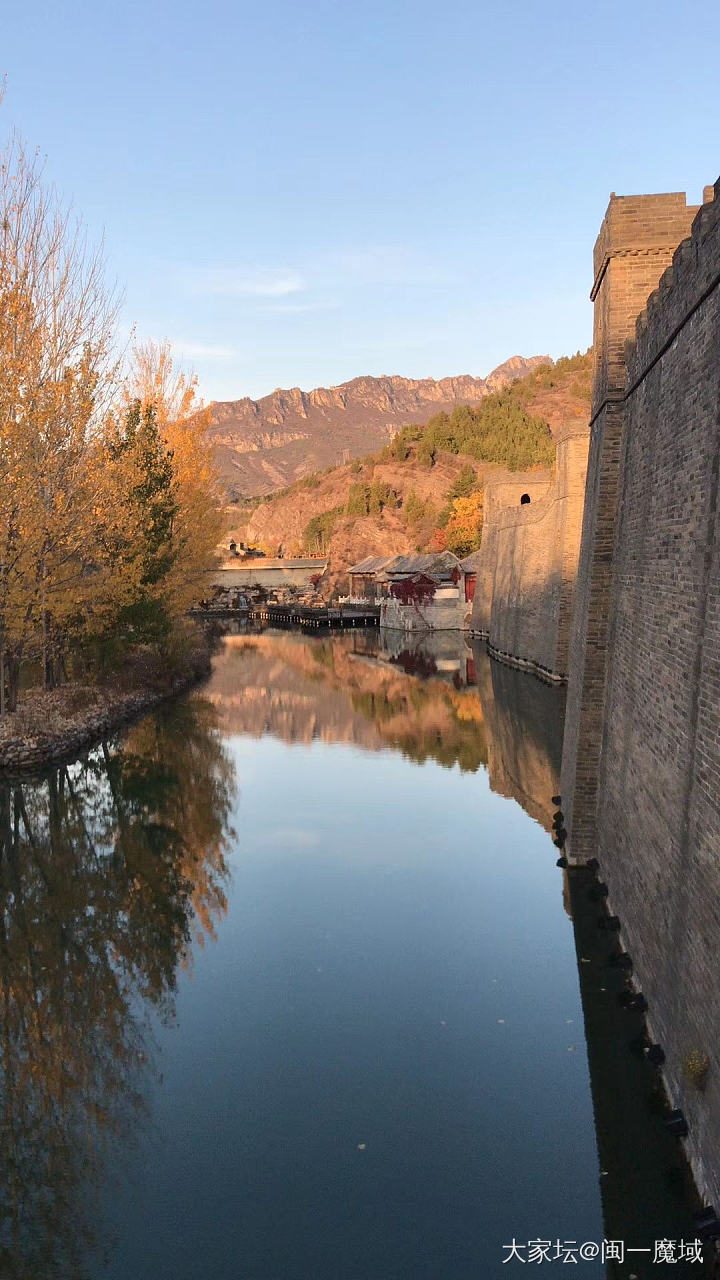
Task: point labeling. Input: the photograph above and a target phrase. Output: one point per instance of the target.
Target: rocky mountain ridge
(264, 445)
(559, 395)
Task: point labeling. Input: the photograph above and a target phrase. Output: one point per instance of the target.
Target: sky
(298, 192)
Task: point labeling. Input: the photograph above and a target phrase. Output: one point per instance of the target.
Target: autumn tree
(182, 423)
(109, 513)
(57, 370)
(138, 546)
(463, 529)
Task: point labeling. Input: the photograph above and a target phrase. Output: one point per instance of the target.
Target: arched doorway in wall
(525, 498)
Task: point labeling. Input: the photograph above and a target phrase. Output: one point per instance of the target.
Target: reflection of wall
(641, 768)
(524, 725)
(646, 1186)
(524, 595)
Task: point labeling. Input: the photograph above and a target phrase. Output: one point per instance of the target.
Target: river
(289, 989)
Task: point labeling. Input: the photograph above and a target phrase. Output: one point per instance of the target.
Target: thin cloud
(332, 271)
(237, 282)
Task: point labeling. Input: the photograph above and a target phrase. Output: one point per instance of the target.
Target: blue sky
(295, 192)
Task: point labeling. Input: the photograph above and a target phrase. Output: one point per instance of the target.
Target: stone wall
(500, 493)
(446, 613)
(526, 579)
(238, 574)
(641, 760)
(636, 244)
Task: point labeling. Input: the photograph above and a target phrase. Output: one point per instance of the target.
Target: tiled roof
(472, 562)
(435, 563)
(371, 564)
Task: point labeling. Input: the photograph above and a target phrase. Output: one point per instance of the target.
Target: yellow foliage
(67, 499)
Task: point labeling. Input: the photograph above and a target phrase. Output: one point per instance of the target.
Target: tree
(57, 371)
(319, 530)
(138, 541)
(414, 508)
(381, 495)
(182, 422)
(463, 529)
(358, 503)
(465, 484)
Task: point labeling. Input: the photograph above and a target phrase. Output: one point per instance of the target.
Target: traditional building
(364, 580)
(423, 592)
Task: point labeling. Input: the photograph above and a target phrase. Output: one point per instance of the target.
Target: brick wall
(501, 492)
(636, 244)
(641, 759)
(526, 578)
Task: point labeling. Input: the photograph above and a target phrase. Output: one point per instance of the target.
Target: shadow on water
(109, 868)
(646, 1186)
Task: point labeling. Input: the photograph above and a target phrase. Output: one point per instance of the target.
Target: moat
(289, 989)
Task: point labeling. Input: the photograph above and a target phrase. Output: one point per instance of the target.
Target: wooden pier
(315, 617)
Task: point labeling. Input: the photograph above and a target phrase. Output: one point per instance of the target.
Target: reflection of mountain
(107, 866)
(524, 720)
(347, 689)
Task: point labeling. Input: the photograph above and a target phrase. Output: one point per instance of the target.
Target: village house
(423, 592)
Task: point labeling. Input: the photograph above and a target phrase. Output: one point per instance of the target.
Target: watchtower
(637, 240)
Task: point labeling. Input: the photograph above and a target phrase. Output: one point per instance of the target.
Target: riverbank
(48, 727)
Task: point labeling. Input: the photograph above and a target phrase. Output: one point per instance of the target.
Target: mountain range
(264, 445)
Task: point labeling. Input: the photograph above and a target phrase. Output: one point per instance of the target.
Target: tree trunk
(12, 668)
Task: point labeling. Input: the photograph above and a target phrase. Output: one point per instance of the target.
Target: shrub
(319, 530)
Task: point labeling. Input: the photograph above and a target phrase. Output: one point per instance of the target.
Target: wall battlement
(681, 288)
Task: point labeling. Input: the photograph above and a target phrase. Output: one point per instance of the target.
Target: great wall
(613, 584)
(526, 578)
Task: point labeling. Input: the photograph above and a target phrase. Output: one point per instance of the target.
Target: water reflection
(415, 898)
(524, 724)
(108, 867)
(416, 698)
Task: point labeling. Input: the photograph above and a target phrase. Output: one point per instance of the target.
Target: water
(288, 984)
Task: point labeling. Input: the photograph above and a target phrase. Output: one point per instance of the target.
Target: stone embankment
(51, 727)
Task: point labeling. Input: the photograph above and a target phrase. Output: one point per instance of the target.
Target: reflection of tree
(346, 689)
(107, 866)
(428, 720)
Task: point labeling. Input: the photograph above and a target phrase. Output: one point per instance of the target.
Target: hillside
(408, 495)
(264, 445)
